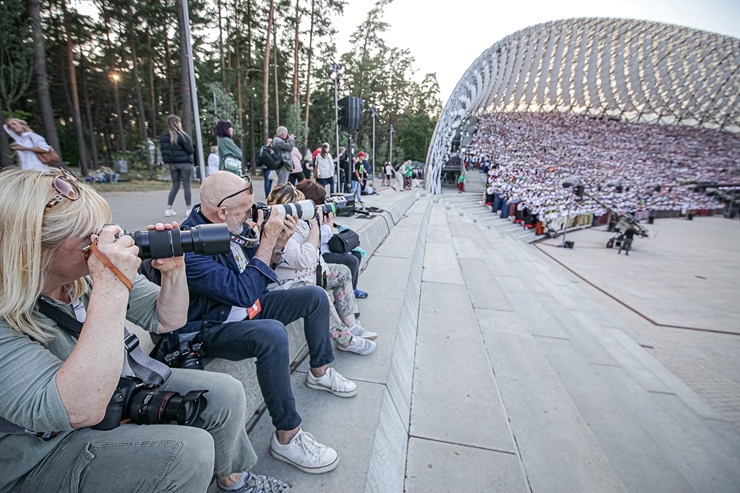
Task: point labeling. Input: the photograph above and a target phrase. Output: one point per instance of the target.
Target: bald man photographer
(234, 317)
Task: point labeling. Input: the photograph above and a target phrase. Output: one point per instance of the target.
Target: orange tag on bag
(253, 310)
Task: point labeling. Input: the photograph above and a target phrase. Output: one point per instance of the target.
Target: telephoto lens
(203, 239)
(304, 209)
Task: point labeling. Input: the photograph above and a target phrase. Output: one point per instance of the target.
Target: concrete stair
(499, 370)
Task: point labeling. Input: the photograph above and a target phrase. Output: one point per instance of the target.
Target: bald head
(217, 186)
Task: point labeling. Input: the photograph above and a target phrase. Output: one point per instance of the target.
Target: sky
(446, 36)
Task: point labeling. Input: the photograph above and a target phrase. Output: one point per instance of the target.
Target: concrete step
(548, 309)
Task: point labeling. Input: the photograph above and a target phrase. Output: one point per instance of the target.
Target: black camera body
(344, 205)
(144, 404)
(203, 239)
(187, 355)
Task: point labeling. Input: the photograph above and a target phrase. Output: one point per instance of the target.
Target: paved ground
(684, 277)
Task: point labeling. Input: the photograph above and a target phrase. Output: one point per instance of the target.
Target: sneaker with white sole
(257, 483)
(358, 345)
(170, 213)
(358, 330)
(305, 453)
(332, 382)
(187, 211)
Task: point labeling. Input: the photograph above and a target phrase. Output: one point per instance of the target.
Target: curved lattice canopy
(635, 71)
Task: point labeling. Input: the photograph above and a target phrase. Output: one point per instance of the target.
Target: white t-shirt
(238, 313)
(212, 163)
(29, 159)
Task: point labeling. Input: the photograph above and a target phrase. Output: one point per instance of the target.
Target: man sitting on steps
(237, 318)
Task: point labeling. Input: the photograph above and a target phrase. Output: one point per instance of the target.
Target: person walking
(27, 144)
(177, 153)
(627, 243)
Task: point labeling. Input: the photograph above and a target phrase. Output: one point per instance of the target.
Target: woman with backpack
(177, 153)
(324, 167)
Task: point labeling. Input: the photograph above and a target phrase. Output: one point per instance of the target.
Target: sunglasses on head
(65, 184)
(248, 188)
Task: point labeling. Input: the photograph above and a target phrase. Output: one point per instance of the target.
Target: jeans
(180, 172)
(352, 261)
(324, 181)
(268, 182)
(266, 339)
(355, 190)
(145, 458)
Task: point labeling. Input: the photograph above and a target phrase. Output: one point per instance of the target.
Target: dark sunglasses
(65, 185)
(248, 188)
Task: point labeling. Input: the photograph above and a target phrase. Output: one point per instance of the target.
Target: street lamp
(334, 71)
(372, 114)
(115, 77)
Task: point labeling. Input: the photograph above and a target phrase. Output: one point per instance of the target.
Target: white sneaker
(187, 211)
(170, 213)
(358, 345)
(305, 453)
(358, 330)
(332, 382)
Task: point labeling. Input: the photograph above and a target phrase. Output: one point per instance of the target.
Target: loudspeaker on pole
(350, 113)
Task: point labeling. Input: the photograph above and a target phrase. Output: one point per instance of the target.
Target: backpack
(270, 159)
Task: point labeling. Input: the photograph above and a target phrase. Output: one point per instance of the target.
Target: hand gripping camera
(144, 404)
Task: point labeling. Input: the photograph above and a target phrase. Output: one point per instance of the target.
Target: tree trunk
(75, 96)
(152, 101)
(296, 46)
(168, 74)
(88, 112)
(137, 86)
(187, 106)
(42, 79)
(266, 75)
(5, 150)
(309, 65)
(221, 45)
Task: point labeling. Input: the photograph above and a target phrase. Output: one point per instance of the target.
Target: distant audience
(630, 167)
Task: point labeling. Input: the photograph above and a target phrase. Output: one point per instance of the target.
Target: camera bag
(344, 241)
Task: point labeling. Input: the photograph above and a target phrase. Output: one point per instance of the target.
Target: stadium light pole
(193, 92)
(372, 114)
(334, 72)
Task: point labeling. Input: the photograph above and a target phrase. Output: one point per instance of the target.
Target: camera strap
(148, 369)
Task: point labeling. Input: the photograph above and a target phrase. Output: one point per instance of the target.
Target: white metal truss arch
(637, 71)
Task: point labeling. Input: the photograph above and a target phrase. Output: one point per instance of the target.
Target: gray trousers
(154, 458)
(283, 175)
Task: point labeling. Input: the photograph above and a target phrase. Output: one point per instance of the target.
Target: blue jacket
(216, 284)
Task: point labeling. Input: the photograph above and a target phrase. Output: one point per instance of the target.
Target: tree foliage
(249, 70)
